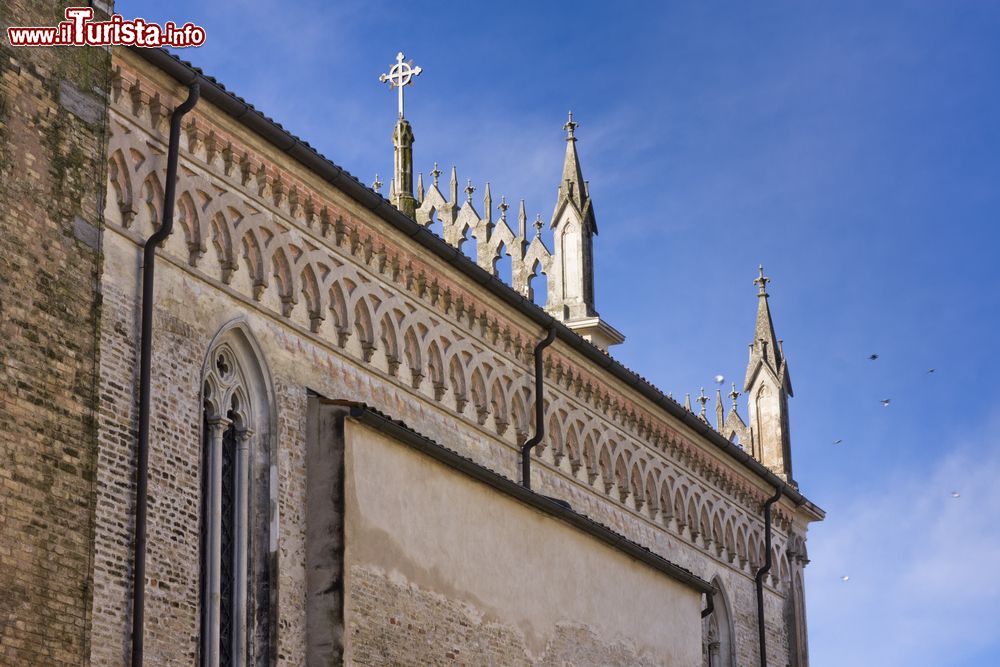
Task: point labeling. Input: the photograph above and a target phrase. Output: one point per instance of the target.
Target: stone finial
(469, 189)
(538, 225)
(377, 184)
(435, 174)
(702, 400)
(502, 207)
(761, 281)
(570, 127)
(734, 394)
(420, 186)
(687, 402)
(454, 184)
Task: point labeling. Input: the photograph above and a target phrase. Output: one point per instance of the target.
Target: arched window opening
(717, 632)
(236, 524)
(540, 289)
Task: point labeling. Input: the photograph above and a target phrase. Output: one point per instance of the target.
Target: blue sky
(853, 148)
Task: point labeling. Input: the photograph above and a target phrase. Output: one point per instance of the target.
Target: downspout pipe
(145, 353)
(759, 579)
(539, 410)
(709, 604)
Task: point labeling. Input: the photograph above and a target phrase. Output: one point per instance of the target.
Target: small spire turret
(571, 286)
(768, 388)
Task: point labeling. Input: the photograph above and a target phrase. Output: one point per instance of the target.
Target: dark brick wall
(52, 126)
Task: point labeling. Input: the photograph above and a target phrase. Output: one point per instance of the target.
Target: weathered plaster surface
(429, 533)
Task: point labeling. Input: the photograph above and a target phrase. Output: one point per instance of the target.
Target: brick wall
(53, 106)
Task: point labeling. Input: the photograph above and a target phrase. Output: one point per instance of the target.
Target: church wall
(53, 105)
(444, 569)
(607, 452)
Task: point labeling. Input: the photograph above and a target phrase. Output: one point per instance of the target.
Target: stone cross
(400, 75)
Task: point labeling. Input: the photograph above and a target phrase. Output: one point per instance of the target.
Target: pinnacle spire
(720, 412)
(765, 347)
(571, 290)
(572, 186)
(768, 388)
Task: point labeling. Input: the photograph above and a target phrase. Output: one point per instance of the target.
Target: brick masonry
(52, 154)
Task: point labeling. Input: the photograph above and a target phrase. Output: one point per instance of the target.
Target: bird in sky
(719, 379)
(956, 494)
(838, 441)
(885, 402)
(872, 357)
(930, 370)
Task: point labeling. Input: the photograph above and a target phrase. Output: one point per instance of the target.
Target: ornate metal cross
(401, 74)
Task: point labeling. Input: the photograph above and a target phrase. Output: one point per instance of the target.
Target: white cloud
(924, 581)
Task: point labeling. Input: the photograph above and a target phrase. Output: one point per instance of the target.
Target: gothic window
(236, 526)
(717, 632)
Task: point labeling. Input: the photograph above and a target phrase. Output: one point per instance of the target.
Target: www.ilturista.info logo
(79, 30)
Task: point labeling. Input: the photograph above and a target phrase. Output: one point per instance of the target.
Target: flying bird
(873, 357)
(845, 578)
(930, 370)
(956, 494)
(719, 379)
(885, 402)
(838, 441)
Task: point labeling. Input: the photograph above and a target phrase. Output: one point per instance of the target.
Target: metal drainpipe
(764, 570)
(709, 606)
(539, 410)
(145, 350)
